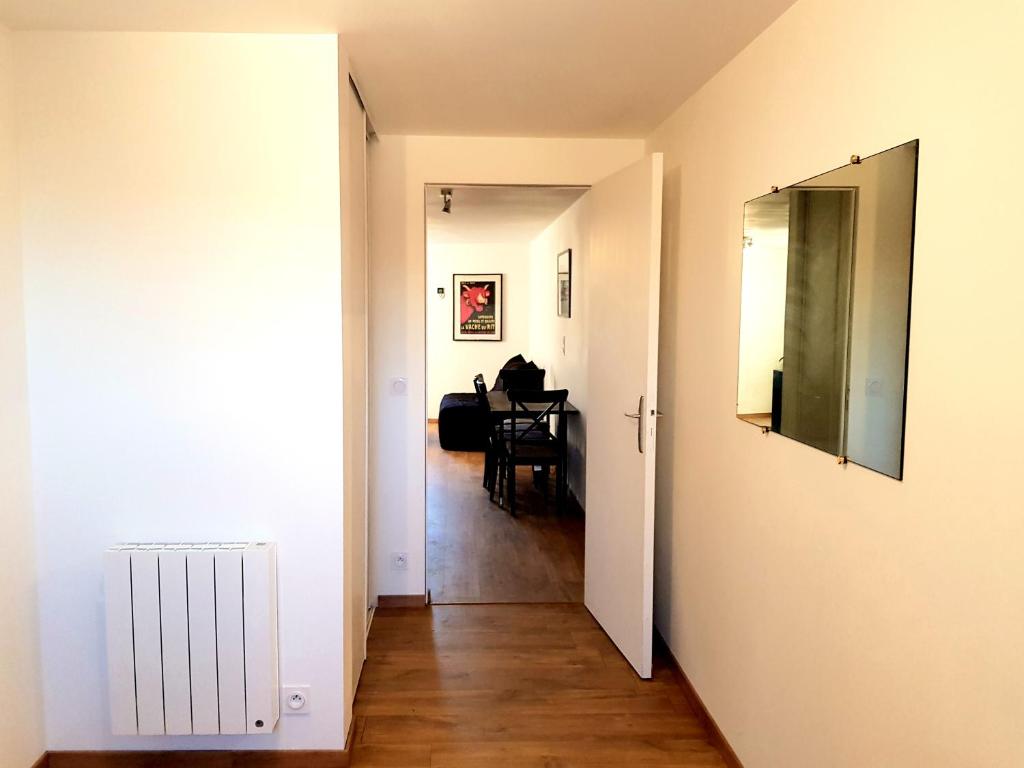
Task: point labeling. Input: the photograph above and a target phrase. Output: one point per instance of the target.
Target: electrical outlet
(399, 561)
(295, 700)
(873, 387)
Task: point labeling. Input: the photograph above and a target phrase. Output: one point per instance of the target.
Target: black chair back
(535, 408)
(481, 391)
(480, 386)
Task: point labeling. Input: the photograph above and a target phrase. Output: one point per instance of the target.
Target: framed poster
(564, 281)
(478, 307)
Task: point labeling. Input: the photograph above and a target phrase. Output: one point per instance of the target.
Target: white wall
(565, 365)
(21, 728)
(399, 167)
(181, 239)
(451, 365)
(829, 615)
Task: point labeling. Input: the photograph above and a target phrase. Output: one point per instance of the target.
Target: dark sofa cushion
(512, 362)
(519, 373)
(522, 377)
(461, 424)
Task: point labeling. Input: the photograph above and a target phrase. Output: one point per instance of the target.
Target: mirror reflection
(825, 309)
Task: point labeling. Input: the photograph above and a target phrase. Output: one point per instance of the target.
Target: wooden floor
(530, 686)
(478, 553)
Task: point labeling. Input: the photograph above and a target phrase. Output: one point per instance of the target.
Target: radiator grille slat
(230, 642)
(149, 674)
(203, 643)
(174, 630)
(117, 570)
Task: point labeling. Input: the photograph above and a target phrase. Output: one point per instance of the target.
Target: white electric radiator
(192, 638)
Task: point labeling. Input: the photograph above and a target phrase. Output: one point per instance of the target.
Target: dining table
(501, 407)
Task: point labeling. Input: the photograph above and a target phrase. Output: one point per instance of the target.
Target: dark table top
(502, 408)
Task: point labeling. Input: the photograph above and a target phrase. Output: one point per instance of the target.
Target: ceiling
(486, 214)
(608, 68)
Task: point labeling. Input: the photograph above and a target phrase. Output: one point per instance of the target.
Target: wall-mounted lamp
(446, 195)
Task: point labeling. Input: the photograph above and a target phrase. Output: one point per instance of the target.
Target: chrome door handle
(639, 416)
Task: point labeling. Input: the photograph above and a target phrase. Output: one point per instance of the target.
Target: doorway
(492, 254)
(603, 352)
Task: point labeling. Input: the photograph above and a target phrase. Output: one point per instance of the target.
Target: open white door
(623, 280)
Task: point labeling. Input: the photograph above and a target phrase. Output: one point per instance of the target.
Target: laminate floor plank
(503, 726)
(579, 753)
(530, 686)
(516, 703)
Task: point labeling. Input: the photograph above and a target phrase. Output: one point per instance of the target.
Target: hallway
(529, 686)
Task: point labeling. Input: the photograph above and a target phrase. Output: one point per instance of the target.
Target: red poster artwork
(478, 307)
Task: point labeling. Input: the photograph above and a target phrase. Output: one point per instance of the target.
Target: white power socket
(399, 561)
(295, 700)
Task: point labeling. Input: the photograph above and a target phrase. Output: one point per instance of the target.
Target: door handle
(639, 416)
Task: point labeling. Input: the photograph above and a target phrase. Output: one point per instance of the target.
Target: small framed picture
(564, 281)
(477, 307)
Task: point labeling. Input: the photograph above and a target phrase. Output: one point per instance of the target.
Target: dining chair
(530, 442)
(493, 451)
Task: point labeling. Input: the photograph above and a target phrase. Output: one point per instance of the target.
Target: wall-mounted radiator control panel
(192, 638)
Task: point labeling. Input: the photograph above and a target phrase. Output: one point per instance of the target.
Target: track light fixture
(446, 195)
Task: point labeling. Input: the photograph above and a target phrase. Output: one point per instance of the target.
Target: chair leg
(537, 473)
(503, 483)
(560, 487)
(488, 460)
(492, 470)
(495, 479)
(511, 473)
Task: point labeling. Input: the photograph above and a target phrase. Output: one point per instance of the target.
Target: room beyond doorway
(493, 305)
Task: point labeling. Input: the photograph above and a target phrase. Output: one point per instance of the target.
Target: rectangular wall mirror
(825, 309)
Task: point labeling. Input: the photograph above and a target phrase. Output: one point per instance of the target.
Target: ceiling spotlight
(446, 195)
